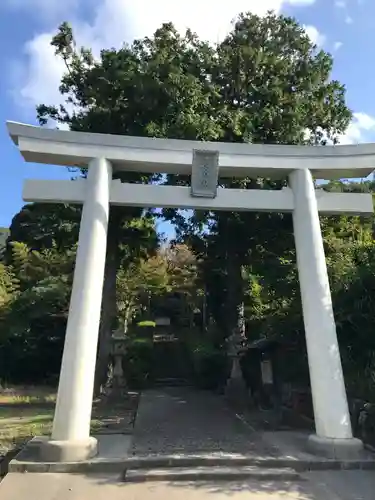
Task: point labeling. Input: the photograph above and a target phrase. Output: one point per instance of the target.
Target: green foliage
(33, 320)
(354, 305)
(41, 226)
(35, 290)
(135, 284)
(210, 365)
(8, 286)
(146, 323)
(4, 231)
(138, 363)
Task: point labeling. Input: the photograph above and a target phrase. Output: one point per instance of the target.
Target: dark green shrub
(146, 324)
(137, 363)
(210, 365)
(33, 355)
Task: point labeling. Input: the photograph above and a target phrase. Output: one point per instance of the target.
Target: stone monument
(236, 391)
(118, 388)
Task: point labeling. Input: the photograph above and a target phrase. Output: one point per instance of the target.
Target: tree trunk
(204, 311)
(241, 323)
(127, 317)
(109, 309)
(235, 303)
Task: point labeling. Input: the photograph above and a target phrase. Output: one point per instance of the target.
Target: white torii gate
(205, 161)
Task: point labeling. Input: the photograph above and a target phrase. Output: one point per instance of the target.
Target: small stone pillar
(118, 352)
(236, 390)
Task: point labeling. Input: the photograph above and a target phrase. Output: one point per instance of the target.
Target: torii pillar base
(337, 449)
(68, 451)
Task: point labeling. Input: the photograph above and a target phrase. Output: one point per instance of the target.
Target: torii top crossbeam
(68, 148)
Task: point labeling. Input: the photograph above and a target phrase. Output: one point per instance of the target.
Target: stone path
(183, 420)
(178, 421)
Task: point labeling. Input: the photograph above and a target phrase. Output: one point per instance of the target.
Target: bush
(137, 363)
(33, 355)
(210, 365)
(146, 323)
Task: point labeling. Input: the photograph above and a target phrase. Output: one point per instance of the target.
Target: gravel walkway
(182, 420)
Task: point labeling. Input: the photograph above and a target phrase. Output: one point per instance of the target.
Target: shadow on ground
(325, 485)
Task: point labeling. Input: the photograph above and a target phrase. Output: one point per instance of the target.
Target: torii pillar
(334, 435)
(70, 440)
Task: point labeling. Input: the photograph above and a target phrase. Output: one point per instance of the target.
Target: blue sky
(31, 73)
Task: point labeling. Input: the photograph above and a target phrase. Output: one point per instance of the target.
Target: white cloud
(315, 35)
(43, 73)
(112, 23)
(337, 46)
(44, 10)
(301, 2)
(119, 20)
(361, 129)
(342, 5)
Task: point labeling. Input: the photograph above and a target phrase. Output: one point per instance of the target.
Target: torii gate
(205, 161)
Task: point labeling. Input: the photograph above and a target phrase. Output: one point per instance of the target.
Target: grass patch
(27, 395)
(28, 412)
(16, 427)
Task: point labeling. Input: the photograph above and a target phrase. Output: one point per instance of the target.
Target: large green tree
(42, 228)
(264, 83)
(276, 88)
(34, 302)
(152, 88)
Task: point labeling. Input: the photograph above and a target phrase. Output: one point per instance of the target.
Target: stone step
(204, 473)
(300, 464)
(206, 460)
